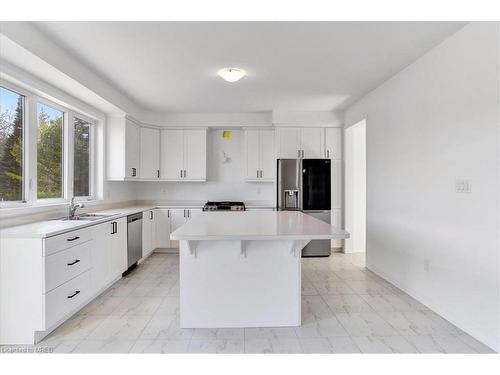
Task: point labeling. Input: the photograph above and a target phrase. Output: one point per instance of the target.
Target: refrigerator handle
(301, 185)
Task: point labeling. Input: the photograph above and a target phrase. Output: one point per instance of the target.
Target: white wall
(225, 180)
(434, 122)
(355, 187)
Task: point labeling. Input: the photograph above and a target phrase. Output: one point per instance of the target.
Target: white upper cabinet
(195, 155)
(288, 143)
(296, 143)
(260, 159)
(123, 149)
(183, 155)
(150, 154)
(172, 154)
(333, 143)
(312, 142)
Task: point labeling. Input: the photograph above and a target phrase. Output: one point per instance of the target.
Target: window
(49, 152)
(11, 145)
(81, 158)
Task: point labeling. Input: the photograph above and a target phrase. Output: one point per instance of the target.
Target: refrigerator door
(316, 180)
(289, 182)
(318, 248)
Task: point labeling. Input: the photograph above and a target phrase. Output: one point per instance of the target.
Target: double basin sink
(85, 217)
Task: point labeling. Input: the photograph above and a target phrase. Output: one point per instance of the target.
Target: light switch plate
(463, 186)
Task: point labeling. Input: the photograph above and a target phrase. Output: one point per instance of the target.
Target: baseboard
(167, 251)
(468, 328)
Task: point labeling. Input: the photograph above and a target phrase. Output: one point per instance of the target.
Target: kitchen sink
(86, 217)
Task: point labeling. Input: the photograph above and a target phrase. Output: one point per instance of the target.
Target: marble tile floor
(345, 309)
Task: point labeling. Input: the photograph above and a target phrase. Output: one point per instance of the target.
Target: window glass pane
(81, 181)
(11, 145)
(49, 152)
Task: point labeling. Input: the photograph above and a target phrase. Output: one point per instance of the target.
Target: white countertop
(256, 225)
(49, 228)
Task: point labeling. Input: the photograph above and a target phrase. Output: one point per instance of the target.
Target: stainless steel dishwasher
(134, 238)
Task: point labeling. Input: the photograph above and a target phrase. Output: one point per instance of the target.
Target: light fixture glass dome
(231, 74)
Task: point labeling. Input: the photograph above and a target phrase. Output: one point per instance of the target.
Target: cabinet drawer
(66, 240)
(66, 298)
(65, 265)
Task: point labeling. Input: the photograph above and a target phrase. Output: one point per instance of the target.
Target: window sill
(41, 208)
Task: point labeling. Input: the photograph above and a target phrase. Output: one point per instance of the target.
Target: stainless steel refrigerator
(304, 185)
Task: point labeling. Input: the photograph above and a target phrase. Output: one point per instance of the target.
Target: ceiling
(172, 66)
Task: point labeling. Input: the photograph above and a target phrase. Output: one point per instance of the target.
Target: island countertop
(256, 225)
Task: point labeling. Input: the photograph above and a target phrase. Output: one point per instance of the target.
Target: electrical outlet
(463, 186)
(427, 265)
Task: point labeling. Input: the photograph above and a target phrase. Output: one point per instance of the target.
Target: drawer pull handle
(74, 262)
(74, 294)
(73, 239)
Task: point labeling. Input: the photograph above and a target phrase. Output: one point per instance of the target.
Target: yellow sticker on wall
(226, 134)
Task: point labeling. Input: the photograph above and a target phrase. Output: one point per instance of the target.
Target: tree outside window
(11, 145)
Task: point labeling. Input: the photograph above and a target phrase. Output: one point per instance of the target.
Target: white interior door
(288, 143)
(355, 187)
(172, 154)
(267, 154)
(252, 154)
(195, 154)
(150, 153)
(312, 142)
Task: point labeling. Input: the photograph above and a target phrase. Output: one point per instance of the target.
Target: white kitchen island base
(243, 269)
(238, 283)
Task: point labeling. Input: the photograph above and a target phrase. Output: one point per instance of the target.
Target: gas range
(224, 206)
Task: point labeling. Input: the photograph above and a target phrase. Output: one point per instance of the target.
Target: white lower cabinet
(148, 232)
(118, 248)
(336, 221)
(162, 240)
(43, 281)
(67, 298)
(178, 217)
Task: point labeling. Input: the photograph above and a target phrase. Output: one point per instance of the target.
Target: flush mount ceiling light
(231, 74)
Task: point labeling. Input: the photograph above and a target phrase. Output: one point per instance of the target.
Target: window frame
(92, 158)
(30, 143)
(26, 136)
(64, 156)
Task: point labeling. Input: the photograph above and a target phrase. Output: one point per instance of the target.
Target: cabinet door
(178, 217)
(333, 142)
(336, 183)
(252, 154)
(267, 155)
(172, 154)
(192, 212)
(118, 248)
(336, 221)
(99, 254)
(288, 143)
(162, 229)
(195, 154)
(150, 153)
(132, 150)
(147, 225)
(312, 142)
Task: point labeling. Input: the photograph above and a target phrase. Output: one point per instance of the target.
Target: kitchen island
(243, 269)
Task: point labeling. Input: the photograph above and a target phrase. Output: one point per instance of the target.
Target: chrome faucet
(73, 207)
